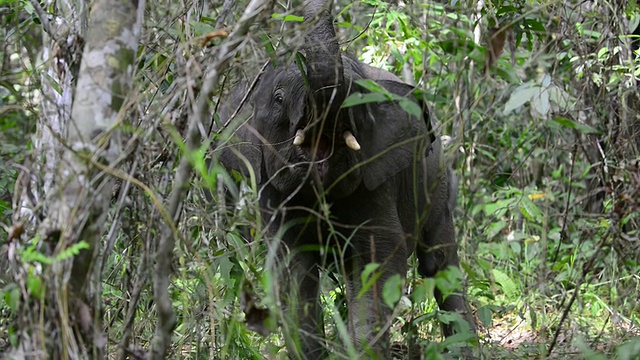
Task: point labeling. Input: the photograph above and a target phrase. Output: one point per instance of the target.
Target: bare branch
(166, 318)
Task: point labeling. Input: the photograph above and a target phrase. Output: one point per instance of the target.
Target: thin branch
(222, 16)
(166, 318)
(587, 268)
(44, 19)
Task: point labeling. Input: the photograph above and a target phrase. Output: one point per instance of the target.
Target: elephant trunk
(325, 71)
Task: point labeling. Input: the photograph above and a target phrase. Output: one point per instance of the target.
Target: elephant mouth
(349, 139)
(318, 151)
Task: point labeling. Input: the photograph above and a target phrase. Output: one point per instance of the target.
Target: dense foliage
(541, 109)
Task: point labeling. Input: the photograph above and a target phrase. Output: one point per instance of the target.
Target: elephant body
(341, 187)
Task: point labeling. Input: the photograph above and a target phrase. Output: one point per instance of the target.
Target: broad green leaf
(423, 290)
(484, 314)
(535, 25)
(560, 97)
(410, 107)
(633, 22)
(201, 28)
(541, 103)
(587, 352)
(546, 81)
(572, 124)
(520, 96)
(449, 280)
(484, 264)
(629, 350)
(497, 208)
(508, 75)
(459, 337)
(392, 290)
(367, 271)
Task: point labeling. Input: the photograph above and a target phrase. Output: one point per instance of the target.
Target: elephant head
(307, 137)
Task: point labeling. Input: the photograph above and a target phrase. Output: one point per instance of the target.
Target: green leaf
(530, 210)
(521, 96)
(572, 124)
(541, 103)
(460, 337)
(201, 28)
(12, 296)
(372, 86)
(508, 75)
(72, 251)
(410, 107)
(587, 352)
(629, 350)
(368, 277)
(34, 284)
(495, 228)
(392, 290)
(300, 61)
(360, 98)
(449, 281)
(560, 97)
(633, 22)
(535, 25)
(497, 208)
(423, 291)
(484, 314)
(268, 47)
(288, 17)
(508, 286)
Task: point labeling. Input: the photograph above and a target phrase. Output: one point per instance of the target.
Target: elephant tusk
(299, 139)
(351, 141)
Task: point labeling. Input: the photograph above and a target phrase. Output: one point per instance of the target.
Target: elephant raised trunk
(325, 70)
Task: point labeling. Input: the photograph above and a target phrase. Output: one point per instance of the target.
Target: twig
(138, 286)
(166, 318)
(44, 19)
(222, 16)
(565, 213)
(586, 269)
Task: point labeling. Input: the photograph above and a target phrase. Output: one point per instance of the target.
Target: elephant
(343, 182)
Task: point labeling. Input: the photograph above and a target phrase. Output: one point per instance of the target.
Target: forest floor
(512, 338)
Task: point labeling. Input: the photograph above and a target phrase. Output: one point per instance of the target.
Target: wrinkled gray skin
(386, 200)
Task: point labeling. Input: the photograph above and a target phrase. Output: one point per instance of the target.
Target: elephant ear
(237, 146)
(395, 134)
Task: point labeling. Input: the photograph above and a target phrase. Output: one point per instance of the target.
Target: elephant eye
(279, 96)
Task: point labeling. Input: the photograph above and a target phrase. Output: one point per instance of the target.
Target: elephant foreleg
(369, 316)
(302, 316)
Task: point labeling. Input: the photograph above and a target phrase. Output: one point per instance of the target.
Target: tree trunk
(75, 147)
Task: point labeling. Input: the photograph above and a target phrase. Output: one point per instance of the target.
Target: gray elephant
(343, 185)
